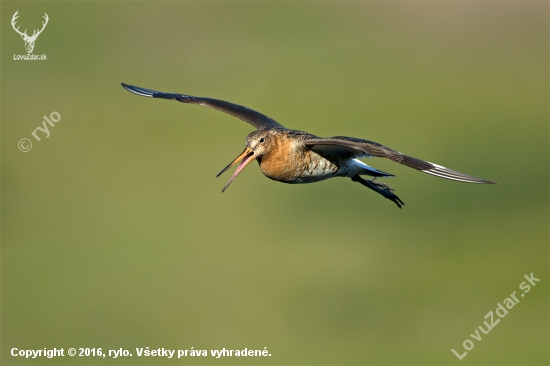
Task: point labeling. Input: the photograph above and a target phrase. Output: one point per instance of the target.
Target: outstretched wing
(366, 148)
(256, 119)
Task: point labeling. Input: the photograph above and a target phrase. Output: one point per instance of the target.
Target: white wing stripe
(441, 171)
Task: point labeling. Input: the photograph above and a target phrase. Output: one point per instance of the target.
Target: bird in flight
(292, 156)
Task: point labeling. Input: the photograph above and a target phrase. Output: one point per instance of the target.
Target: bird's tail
(364, 169)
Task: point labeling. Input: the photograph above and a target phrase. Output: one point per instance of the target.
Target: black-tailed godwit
(292, 156)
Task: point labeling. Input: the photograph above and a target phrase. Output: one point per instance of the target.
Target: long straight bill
(247, 157)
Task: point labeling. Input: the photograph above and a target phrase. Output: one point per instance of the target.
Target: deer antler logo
(29, 41)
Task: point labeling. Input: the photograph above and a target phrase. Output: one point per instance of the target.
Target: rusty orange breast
(289, 161)
(279, 162)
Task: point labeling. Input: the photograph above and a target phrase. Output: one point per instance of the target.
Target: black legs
(380, 188)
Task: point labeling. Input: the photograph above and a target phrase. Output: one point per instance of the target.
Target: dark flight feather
(256, 119)
(366, 148)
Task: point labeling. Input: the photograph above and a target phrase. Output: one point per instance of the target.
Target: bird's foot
(382, 185)
(380, 188)
(386, 191)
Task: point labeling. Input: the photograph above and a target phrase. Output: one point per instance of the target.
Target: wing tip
(139, 91)
(442, 172)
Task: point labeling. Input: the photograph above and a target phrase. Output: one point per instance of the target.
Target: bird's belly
(299, 167)
(316, 171)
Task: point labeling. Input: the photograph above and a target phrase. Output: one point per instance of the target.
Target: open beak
(247, 157)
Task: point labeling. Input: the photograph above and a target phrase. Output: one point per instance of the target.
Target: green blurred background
(115, 234)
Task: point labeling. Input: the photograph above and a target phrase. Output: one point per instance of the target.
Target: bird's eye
(262, 139)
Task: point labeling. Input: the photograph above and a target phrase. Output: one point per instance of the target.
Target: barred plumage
(293, 156)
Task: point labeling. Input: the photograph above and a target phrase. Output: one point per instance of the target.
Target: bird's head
(257, 144)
